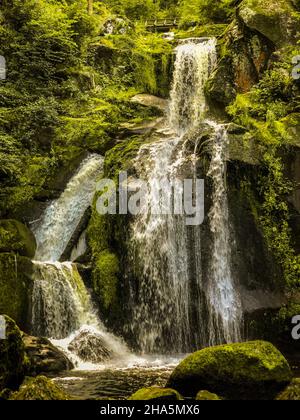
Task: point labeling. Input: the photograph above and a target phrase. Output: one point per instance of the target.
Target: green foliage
(205, 11)
(262, 111)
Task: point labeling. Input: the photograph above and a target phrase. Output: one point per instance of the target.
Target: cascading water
(160, 247)
(61, 305)
(224, 303)
(63, 215)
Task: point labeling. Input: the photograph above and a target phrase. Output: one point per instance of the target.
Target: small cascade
(195, 60)
(60, 303)
(62, 308)
(224, 303)
(62, 216)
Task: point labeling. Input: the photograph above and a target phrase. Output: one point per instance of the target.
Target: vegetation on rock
(39, 389)
(244, 371)
(155, 393)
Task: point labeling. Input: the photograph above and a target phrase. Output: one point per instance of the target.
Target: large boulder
(44, 357)
(252, 370)
(275, 19)
(12, 354)
(90, 347)
(155, 393)
(38, 389)
(16, 237)
(15, 288)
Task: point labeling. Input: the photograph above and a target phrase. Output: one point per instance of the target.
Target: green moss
(16, 237)
(105, 277)
(12, 356)
(39, 389)
(154, 393)
(291, 393)
(248, 370)
(276, 19)
(15, 286)
(207, 396)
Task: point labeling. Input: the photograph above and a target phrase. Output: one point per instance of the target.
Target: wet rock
(252, 370)
(12, 356)
(151, 101)
(39, 389)
(207, 396)
(155, 393)
(15, 288)
(291, 393)
(44, 357)
(90, 347)
(16, 237)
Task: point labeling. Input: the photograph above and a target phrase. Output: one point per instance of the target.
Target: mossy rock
(291, 393)
(12, 356)
(16, 237)
(275, 19)
(15, 288)
(207, 396)
(105, 279)
(155, 393)
(252, 370)
(39, 389)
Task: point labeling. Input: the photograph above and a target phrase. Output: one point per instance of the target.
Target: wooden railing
(161, 24)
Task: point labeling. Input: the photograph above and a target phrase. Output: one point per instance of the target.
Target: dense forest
(172, 89)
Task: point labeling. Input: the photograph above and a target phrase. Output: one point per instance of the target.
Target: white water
(224, 302)
(61, 305)
(63, 215)
(161, 252)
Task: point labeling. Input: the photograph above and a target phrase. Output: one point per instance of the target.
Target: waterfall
(194, 61)
(62, 308)
(63, 215)
(60, 302)
(161, 254)
(224, 303)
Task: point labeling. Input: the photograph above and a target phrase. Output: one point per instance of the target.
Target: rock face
(44, 357)
(12, 356)
(291, 393)
(154, 393)
(253, 370)
(39, 389)
(275, 19)
(16, 237)
(207, 396)
(15, 288)
(90, 347)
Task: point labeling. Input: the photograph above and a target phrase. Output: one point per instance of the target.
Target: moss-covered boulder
(37, 389)
(207, 396)
(16, 237)
(155, 393)
(252, 370)
(275, 19)
(15, 288)
(291, 393)
(12, 354)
